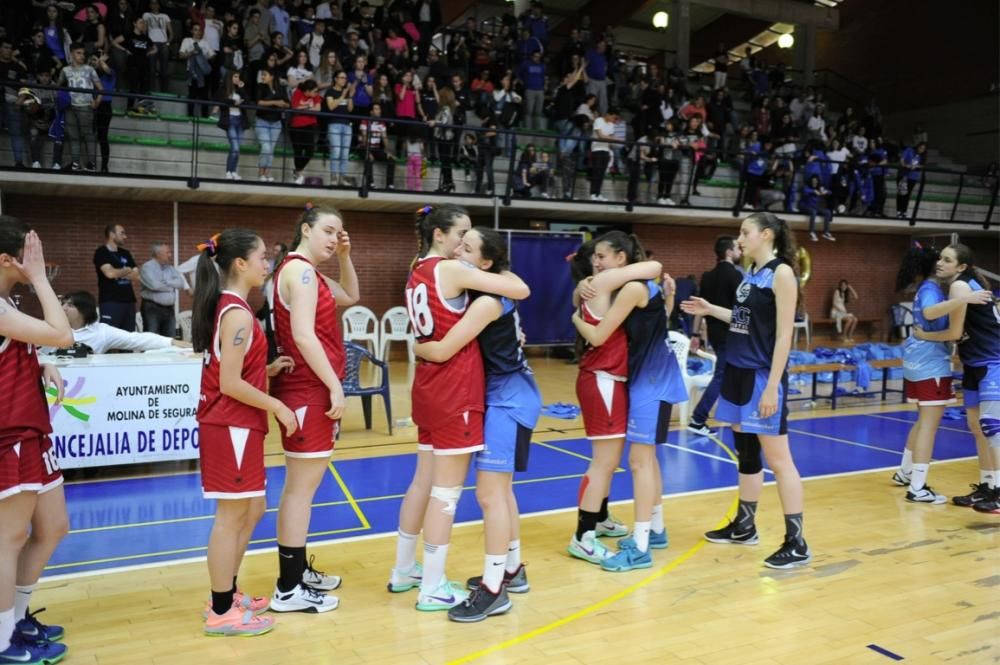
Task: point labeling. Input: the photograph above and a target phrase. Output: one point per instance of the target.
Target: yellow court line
(848, 441)
(590, 609)
(912, 422)
(350, 497)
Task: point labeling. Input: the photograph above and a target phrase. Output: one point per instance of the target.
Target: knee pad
(748, 452)
(449, 496)
(989, 421)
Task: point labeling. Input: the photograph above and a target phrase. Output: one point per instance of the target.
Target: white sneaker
(317, 579)
(926, 495)
(588, 548)
(446, 596)
(829, 236)
(814, 237)
(303, 599)
(237, 176)
(263, 178)
(300, 180)
(593, 197)
(669, 201)
(229, 175)
(36, 165)
(404, 581)
(661, 201)
(545, 195)
(601, 197)
(841, 209)
(57, 167)
(270, 178)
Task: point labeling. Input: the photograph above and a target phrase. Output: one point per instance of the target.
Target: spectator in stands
(280, 20)
(406, 97)
(80, 114)
(847, 123)
(339, 100)
(522, 172)
(119, 21)
(597, 74)
(233, 54)
(844, 320)
(115, 269)
(95, 33)
(532, 74)
(816, 125)
(877, 161)
(911, 162)
(569, 95)
(353, 47)
(81, 311)
(873, 118)
(668, 162)
(642, 162)
(695, 107)
(362, 82)
(329, 66)
(142, 55)
(233, 120)
(314, 42)
(280, 47)
(859, 140)
(161, 32)
(103, 112)
(198, 55)
(56, 36)
(268, 121)
(812, 203)
(256, 38)
(39, 109)
(719, 119)
(486, 151)
(303, 127)
(446, 137)
(13, 75)
(758, 167)
(919, 134)
(507, 111)
(784, 134)
(374, 136)
(159, 283)
(760, 117)
(839, 156)
(300, 70)
(382, 93)
(721, 62)
(600, 151)
(414, 145)
(537, 24)
(703, 160)
(747, 64)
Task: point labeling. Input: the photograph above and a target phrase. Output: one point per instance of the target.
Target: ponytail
(309, 216)
(784, 241)
(214, 265)
(919, 261)
(580, 262)
(429, 219)
(494, 248)
(629, 243)
(964, 255)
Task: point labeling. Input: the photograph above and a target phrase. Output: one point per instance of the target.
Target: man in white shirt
(160, 282)
(313, 43)
(600, 151)
(161, 33)
(81, 310)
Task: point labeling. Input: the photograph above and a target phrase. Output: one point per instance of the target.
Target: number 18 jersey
(441, 390)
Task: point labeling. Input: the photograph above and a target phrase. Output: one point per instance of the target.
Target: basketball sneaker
(256, 604)
(628, 557)
(612, 527)
(516, 582)
(926, 495)
(790, 555)
(588, 548)
(980, 492)
(901, 478)
(701, 429)
(400, 582)
(730, 534)
(317, 579)
(658, 541)
(446, 596)
(303, 599)
(480, 604)
(23, 652)
(990, 506)
(33, 630)
(237, 622)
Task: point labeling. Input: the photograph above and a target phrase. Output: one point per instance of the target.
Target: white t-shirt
(103, 338)
(606, 128)
(315, 46)
(187, 46)
(83, 76)
(213, 33)
(157, 26)
(838, 157)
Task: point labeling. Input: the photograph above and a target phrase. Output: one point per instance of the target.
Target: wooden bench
(836, 368)
(885, 366)
(874, 325)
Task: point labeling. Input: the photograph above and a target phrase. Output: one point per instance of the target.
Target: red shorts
(29, 466)
(930, 392)
(458, 435)
(232, 462)
(604, 405)
(315, 436)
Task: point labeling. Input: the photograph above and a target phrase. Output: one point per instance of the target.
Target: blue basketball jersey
(654, 375)
(981, 344)
(922, 359)
(500, 342)
(754, 325)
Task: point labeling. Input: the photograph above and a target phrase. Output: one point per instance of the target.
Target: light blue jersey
(922, 359)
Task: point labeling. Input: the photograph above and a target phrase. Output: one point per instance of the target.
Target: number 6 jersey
(441, 390)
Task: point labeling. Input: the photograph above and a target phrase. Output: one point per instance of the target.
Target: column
(805, 52)
(679, 32)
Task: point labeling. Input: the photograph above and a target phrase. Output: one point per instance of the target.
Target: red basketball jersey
(214, 408)
(24, 411)
(441, 390)
(302, 386)
(610, 357)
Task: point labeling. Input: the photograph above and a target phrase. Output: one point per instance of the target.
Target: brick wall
(384, 244)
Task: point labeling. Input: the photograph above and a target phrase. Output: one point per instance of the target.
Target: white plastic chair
(184, 321)
(395, 327)
(802, 325)
(361, 325)
(682, 348)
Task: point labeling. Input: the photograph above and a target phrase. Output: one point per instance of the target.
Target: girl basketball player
(448, 402)
(601, 391)
(655, 383)
(31, 492)
(307, 329)
(755, 383)
(972, 309)
(926, 374)
(232, 417)
(513, 404)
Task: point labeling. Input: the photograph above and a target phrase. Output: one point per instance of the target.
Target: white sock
(992, 478)
(435, 558)
(22, 595)
(641, 535)
(918, 478)
(493, 572)
(906, 464)
(406, 550)
(513, 556)
(987, 477)
(657, 524)
(6, 628)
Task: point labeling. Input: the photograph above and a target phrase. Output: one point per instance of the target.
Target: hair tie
(917, 245)
(309, 206)
(570, 257)
(426, 210)
(211, 245)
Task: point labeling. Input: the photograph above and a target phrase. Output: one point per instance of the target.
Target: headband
(426, 210)
(212, 245)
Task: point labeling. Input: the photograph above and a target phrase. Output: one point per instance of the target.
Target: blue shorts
(513, 405)
(648, 423)
(981, 384)
(741, 391)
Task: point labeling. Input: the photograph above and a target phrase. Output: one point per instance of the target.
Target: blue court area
(116, 523)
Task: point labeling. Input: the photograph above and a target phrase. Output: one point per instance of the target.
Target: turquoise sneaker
(627, 558)
(658, 541)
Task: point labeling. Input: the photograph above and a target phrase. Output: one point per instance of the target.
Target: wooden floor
(919, 581)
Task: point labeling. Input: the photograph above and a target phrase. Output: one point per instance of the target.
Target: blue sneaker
(21, 652)
(628, 557)
(658, 541)
(33, 630)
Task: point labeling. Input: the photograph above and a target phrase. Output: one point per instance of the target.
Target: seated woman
(845, 321)
(81, 310)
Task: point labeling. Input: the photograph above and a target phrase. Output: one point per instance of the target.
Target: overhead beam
(779, 11)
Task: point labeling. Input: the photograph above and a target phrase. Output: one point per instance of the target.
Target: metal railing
(460, 160)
